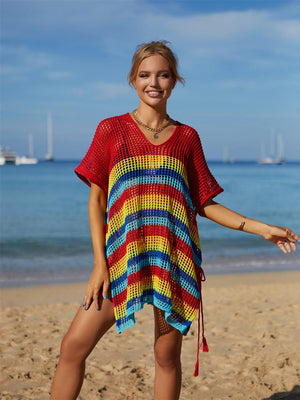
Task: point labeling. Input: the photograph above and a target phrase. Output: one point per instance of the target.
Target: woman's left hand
(284, 238)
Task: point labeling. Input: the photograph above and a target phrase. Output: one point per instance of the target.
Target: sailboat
(30, 159)
(272, 159)
(49, 156)
(226, 158)
(280, 158)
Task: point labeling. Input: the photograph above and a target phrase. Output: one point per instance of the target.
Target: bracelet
(241, 227)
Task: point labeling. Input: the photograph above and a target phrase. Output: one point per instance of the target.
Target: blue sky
(240, 59)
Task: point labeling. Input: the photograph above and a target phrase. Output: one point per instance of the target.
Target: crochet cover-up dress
(154, 193)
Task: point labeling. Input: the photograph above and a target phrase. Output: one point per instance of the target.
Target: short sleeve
(95, 164)
(203, 185)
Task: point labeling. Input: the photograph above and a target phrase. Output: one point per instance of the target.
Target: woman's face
(154, 81)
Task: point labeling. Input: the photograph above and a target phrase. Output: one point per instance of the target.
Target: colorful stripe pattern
(152, 242)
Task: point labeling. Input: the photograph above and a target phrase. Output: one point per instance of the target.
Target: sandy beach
(252, 328)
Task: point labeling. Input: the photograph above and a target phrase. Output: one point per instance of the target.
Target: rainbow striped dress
(154, 193)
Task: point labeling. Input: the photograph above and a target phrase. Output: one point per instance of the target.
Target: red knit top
(154, 193)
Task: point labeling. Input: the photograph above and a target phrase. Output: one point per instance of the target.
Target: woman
(148, 179)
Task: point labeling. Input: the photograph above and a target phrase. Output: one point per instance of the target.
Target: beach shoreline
(251, 322)
(240, 265)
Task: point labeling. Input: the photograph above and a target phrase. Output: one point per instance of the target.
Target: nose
(154, 81)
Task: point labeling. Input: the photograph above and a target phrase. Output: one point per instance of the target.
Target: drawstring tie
(200, 316)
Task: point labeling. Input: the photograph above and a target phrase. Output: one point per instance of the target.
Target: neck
(151, 116)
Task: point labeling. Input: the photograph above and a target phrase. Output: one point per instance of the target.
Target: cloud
(237, 84)
(289, 30)
(111, 90)
(19, 59)
(231, 32)
(57, 75)
(194, 33)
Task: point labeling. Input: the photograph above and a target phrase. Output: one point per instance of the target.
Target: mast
(225, 155)
(30, 143)
(49, 156)
(280, 158)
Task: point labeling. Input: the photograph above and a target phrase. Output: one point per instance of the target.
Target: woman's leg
(83, 335)
(167, 351)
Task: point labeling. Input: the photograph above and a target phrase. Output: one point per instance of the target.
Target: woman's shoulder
(112, 121)
(187, 130)
(110, 126)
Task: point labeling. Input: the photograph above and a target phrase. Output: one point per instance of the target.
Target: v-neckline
(146, 139)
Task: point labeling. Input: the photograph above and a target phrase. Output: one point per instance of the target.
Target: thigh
(167, 338)
(88, 326)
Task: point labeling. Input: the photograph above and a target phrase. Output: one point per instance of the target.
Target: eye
(143, 75)
(165, 75)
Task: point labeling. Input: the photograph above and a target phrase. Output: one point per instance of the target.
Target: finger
(88, 301)
(293, 245)
(290, 244)
(282, 247)
(294, 237)
(290, 235)
(96, 299)
(287, 246)
(105, 289)
(85, 302)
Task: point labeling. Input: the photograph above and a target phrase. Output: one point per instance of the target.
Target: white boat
(27, 160)
(226, 158)
(269, 160)
(7, 156)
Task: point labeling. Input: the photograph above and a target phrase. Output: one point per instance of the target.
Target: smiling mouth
(154, 93)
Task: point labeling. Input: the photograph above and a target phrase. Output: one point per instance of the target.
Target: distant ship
(49, 156)
(280, 159)
(10, 157)
(7, 156)
(226, 158)
(30, 159)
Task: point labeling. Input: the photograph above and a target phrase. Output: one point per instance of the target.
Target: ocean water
(45, 234)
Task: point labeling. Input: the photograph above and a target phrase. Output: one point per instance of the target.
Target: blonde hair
(145, 50)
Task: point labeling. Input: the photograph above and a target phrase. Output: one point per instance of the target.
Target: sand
(252, 328)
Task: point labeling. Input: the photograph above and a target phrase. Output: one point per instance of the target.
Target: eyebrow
(163, 70)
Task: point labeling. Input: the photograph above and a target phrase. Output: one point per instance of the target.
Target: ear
(132, 84)
(173, 79)
(174, 83)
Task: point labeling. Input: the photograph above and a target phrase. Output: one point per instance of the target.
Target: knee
(72, 349)
(167, 357)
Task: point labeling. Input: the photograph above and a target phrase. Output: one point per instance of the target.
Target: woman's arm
(100, 275)
(284, 238)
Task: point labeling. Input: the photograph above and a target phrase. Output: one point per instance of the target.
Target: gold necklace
(155, 130)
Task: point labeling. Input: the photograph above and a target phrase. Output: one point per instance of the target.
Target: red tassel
(205, 346)
(196, 372)
(200, 316)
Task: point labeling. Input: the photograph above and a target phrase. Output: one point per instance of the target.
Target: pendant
(155, 136)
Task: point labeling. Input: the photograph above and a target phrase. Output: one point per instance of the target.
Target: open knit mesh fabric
(154, 193)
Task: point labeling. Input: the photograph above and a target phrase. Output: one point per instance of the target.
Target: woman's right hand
(99, 279)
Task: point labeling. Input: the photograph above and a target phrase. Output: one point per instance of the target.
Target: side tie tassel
(200, 317)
